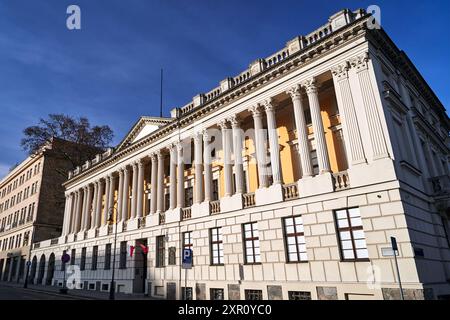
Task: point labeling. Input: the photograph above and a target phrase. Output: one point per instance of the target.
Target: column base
(71, 238)
(312, 186)
(103, 231)
(173, 215)
(132, 224)
(152, 220)
(200, 210)
(91, 233)
(231, 203)
(379, 171)
(272, 194)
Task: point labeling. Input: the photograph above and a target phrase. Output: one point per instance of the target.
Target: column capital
(311, 86)
(153, 157)
(235, 121)
(223, 124)
(340, 71)
(159, 155)
(206, 136)
(295, 92)
(255, 110)
(268, 105)
(140, 163)
(360, 63)
(197, 137)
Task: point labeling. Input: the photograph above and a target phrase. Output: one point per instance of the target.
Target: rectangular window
(251, 243)
(187, 240)
(216, 246)
(253, 295)
(216, 294)
(123, 255)
(160, 251)
(351, 235)
(295, 239)
(83, 259)
(108, 256)
(299, 295)
(94, 258)
(215, 190)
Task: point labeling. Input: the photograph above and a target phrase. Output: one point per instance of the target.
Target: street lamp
(25, 284)
(112, 287)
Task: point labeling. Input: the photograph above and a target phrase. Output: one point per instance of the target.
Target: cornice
(292, 63)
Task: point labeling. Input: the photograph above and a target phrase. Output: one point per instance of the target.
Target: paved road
(17, 293)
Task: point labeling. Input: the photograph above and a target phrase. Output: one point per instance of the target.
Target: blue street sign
(187, 259)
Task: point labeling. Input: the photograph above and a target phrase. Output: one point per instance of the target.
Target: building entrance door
(140, 266)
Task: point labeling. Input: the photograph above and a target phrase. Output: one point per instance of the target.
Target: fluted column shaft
(259, 146)
(154, 182)
(237, 148)
(180, 177)
(302, 132)
(319, 131)
(348, 112)
(101, 190)
(110, 203)
(173, 176)
(273, 142)
(207, 166)
(125, 194)
(227, 167)
(140, 190)
(106, 208)
(134, 190)
(120, 196)
(198, 158)
(83, 210)
(376, 134)
(87, 220)
(160, 183)
(94, 206)
(74, 212)
(78, 212)
(67, 209)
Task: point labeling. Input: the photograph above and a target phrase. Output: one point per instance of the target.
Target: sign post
(187, 264)
(395, 251)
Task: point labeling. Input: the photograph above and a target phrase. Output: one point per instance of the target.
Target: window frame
(160, 252)
(212, 245)
(296, 234)
(253, 239)
(349, 229)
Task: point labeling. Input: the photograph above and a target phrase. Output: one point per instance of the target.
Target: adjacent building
(286, 181)
(32, 204)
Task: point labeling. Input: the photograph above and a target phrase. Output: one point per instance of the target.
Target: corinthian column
(238, 147)
(180, 178)
(173, 176)
(259, 146)
(101, 190)
(140, 190)
(207, 166)
(87, 220)
(120, 196)
(302, 131)
(78, 212)
(347, 110)
(94, 206)
(160, 182)
(198, 167)
(273, 141)
(319, 131)
(83, 209)
(134, 190)
(106, 208)
(227, 167)
(376, 134)
(154, 182)
(125, 193)
(110, 203)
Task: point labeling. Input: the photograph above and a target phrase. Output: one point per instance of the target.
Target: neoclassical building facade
(287, 181)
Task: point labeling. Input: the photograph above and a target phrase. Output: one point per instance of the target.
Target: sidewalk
(78, 294)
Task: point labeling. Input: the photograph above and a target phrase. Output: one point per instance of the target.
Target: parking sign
(187, 259)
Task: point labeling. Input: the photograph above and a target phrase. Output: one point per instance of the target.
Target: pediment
(143, 128)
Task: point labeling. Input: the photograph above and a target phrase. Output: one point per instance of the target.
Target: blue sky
(109, 71)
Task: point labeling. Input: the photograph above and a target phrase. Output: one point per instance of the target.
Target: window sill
(296, 262)
(355, 260)
(217, 265)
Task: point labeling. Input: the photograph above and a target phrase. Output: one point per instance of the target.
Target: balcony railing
(341, 181)
(249, 200)
(215, 206)
(162, 218)
(186, 213)
(141, 222)
(290, 191)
